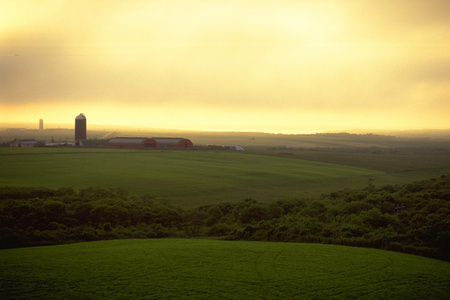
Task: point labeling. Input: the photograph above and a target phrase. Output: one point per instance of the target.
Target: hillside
(209, 269)
(186, 178)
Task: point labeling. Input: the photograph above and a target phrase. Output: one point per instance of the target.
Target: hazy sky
(278, 66)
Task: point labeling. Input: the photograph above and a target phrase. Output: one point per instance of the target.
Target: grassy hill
(188, 178)
(210, 269)
(192, 178)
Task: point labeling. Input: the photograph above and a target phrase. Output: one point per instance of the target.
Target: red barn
(149, 143)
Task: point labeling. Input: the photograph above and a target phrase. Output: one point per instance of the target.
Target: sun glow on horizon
(275, 66)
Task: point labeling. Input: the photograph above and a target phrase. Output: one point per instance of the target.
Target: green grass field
(188, 178)
(211, 269)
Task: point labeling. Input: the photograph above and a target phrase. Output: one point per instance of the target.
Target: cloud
(333, 56)
(433, 71)
(35, 74)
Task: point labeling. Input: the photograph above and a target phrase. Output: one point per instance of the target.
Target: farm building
(80, 128)
(24, 144)
(149, 143)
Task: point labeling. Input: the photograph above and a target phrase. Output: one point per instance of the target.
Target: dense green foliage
(211, 269)
(413, 218)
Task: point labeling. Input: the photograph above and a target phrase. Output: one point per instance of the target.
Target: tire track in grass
(193, 269)
(275, 283)
(337, 276)
(257, 261)
(203, 266)
(266, 281)
(376, 283)
(281, 278)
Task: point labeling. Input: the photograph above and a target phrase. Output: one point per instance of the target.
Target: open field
(192, 178)
(274, 167)
(184, 177)
(211, 269)
(398, 166)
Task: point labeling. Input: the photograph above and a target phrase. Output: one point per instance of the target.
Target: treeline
(413, 218)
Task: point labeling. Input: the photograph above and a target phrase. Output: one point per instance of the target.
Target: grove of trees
(413, 218)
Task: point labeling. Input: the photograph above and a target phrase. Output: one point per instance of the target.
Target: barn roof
(162, 141)
(125, 140)
(26, 142)
(168, 141)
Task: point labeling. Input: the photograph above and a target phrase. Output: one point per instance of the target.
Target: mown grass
(189, 178)
(211, 269)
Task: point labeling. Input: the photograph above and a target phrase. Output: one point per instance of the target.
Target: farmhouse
(149, 143)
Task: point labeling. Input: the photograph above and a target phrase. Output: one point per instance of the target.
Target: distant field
(210, 269)
(247, 139)
(49, 135)
(399, 168)
(189, 178)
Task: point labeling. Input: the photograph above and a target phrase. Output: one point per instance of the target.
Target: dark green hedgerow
(413, 218)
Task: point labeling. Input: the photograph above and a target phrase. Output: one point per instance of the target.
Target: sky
(280, 66)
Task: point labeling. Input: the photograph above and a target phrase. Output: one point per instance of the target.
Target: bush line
(413, 218)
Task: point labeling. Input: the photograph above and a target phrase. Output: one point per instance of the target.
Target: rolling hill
(188, 178)
(210, 269)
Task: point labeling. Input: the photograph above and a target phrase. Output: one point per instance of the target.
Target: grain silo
(80, 127)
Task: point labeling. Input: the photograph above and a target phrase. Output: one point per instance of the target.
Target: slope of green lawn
(201, 176)
(211, 269)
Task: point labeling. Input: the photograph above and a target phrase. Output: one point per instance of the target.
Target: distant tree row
(413, 218)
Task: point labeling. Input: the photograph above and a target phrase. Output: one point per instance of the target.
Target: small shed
(24, 144)
(237, 148)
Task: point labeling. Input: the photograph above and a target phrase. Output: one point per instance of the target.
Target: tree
(214, 215)
(253, 213)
